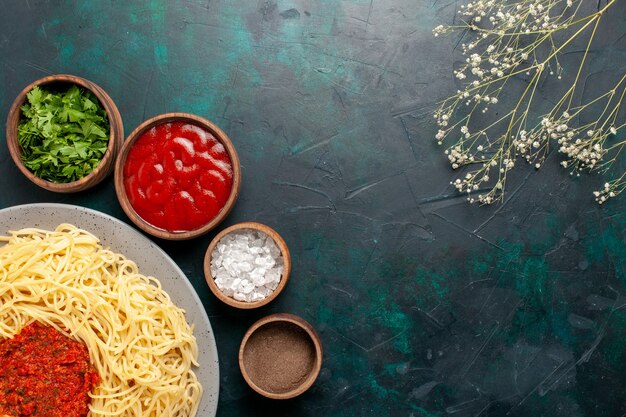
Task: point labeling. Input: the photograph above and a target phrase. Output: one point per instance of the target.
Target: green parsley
(62, 135)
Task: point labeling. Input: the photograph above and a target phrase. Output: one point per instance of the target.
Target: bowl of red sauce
(177, 176)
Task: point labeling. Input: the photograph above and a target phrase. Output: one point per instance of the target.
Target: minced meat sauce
(44, 373)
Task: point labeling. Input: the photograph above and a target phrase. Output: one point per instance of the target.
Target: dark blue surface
(426, 306)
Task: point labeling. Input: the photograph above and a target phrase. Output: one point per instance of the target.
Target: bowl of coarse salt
(247, 265)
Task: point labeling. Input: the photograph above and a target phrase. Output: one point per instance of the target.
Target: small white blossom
(438, 30)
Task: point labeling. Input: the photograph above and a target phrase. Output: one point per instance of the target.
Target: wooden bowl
(210, 279)
(280, 356)
(121, 161)
(116, 135)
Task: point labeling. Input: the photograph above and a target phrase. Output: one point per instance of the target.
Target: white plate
(150, 259)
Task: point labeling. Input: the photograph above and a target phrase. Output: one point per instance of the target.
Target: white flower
(613, 130)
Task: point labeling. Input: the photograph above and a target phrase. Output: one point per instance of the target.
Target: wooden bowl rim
(280, 242)
(120, 190)
(314, 337)
(116, 132)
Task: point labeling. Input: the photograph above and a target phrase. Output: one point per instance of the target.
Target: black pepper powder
(279, 357)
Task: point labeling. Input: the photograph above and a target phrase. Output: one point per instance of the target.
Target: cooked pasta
(138, 340)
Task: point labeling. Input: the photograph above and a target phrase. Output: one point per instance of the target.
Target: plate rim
(212, 348)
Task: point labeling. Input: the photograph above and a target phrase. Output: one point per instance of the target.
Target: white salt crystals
(247, 265)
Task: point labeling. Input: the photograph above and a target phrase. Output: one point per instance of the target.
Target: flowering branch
(525, 38)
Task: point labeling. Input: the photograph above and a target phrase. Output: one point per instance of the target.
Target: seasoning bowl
(280, 243)
(195, 121)
(116, 134)
(280, 356)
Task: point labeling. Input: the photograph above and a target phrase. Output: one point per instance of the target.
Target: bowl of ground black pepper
(280, 356)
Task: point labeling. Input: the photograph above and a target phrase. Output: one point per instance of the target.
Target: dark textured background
(426, 306)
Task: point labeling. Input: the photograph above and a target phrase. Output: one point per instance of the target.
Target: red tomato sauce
(44, 373)
(177, 176)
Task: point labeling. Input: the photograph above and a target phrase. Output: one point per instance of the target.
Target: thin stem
(582, 61)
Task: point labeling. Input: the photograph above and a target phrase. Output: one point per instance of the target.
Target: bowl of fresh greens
(64, 133)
